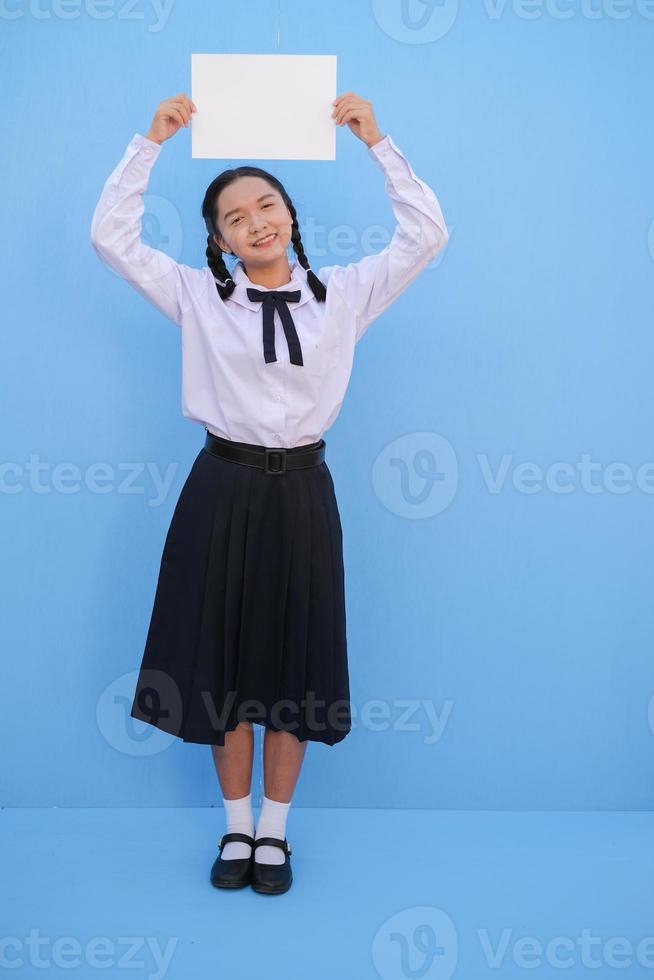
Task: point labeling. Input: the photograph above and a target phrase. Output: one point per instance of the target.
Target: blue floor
(376, 893)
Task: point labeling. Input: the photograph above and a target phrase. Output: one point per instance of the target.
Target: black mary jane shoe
(272, 879)
(237, 872)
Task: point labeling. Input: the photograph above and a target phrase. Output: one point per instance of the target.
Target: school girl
(248, 622)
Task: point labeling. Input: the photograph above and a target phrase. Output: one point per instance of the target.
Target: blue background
(524, 618)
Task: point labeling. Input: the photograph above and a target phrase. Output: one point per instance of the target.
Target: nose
(256, 226)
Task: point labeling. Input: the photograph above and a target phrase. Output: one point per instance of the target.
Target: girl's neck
(272, 276)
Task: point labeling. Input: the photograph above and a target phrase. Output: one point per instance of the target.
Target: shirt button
(278, 398)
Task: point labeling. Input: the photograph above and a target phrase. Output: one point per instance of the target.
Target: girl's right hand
(171, 114)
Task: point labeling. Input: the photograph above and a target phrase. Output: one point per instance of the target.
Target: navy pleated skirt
(248, 622)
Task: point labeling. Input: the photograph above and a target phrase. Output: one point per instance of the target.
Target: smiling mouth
(265, 241)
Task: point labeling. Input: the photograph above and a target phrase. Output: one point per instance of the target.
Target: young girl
(248, 623)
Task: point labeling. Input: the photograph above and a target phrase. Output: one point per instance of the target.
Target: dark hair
(215, 260)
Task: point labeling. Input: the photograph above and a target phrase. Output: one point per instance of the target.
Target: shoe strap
(226, 838)
(275, 842)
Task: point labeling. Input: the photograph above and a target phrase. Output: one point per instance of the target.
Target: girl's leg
(283, 755)
(233, 762)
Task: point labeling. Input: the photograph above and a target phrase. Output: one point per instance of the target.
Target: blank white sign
(263, 106)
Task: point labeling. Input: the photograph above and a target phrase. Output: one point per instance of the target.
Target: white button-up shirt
(226, 383)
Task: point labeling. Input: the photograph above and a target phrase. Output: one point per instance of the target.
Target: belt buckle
(275, 452)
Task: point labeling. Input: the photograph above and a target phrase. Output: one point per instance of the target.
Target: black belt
(270, 460)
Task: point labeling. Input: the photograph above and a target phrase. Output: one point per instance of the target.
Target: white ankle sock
(272, 823)
(239, 819)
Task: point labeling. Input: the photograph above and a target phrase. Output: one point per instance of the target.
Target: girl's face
(248, 210)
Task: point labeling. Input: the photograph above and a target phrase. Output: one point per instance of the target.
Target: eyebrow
(259, 199)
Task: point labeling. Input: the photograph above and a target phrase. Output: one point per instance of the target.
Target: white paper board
(263, 106)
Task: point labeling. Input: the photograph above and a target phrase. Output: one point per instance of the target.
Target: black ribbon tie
(277, 299)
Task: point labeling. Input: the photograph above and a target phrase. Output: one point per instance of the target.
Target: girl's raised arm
(370, 286)
(116, 223)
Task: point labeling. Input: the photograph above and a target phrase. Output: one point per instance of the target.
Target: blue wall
(499, 598)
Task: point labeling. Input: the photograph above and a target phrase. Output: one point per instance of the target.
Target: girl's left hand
(350, 108)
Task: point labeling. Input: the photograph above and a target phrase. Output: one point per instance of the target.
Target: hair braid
(216, 263)
(317, 286)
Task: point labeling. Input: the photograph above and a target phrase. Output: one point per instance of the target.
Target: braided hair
(225, 284)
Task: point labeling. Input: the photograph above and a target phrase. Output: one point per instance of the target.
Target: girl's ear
(219, 242)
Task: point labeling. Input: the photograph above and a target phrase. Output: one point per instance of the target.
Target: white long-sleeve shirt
(226, 383)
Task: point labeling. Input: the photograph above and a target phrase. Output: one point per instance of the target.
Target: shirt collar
(298, 281)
